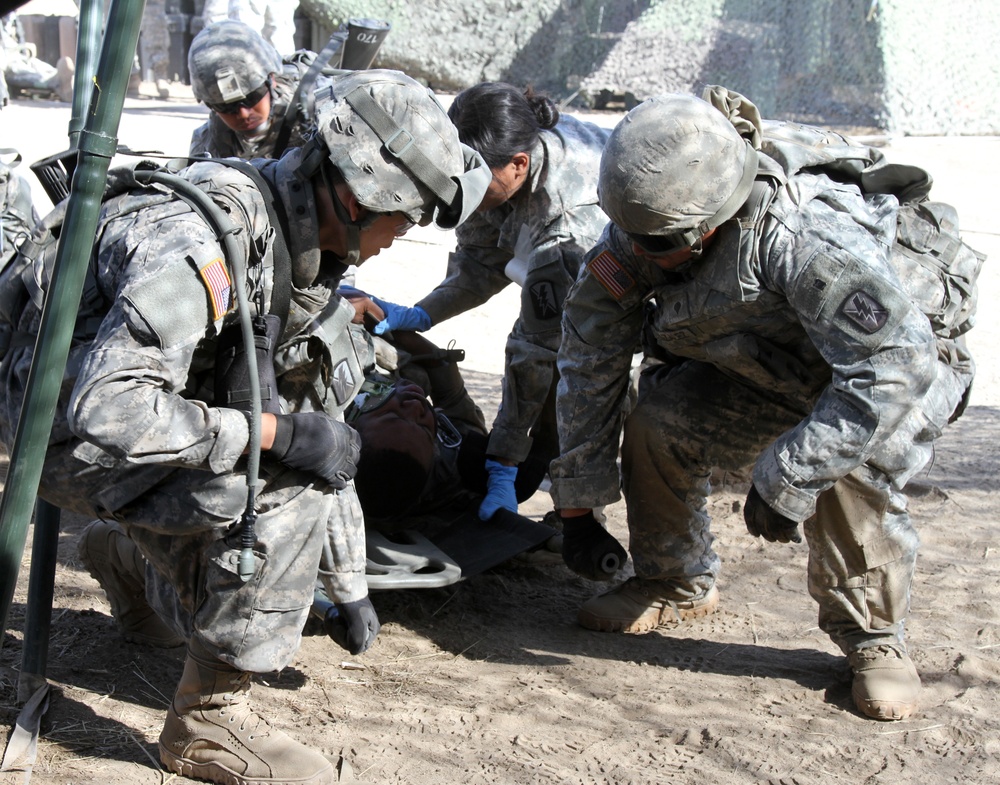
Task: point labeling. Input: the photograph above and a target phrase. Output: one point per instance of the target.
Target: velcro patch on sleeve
(611, 275)
(169, 306)
(837, 291)
(220, 287)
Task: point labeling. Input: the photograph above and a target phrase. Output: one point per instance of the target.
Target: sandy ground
(491, 680)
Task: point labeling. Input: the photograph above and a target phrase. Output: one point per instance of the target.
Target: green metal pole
(41, 589)
(45, 543)
(88, 46)
(96, 147)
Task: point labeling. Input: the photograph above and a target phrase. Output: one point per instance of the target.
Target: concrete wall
(908, 66)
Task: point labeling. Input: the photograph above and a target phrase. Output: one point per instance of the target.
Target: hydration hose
(225, 230)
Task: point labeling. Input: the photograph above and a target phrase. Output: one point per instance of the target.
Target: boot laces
(884, 650)
(238, 708)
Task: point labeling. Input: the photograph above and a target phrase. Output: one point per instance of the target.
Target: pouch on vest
(232, 374)
(937, 269)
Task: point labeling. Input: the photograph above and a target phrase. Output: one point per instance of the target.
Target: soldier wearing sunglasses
(248, 87)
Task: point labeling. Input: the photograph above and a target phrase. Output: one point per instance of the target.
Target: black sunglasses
(660, 245)
(247, 102)
(375, 392)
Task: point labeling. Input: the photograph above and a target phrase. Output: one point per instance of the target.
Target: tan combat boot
(886, 683)
(114, 562)
(640, 605)
(211, 733)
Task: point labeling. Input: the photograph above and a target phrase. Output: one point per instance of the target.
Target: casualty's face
(400, 416)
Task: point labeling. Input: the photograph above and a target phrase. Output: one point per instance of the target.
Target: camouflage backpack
(937, 269)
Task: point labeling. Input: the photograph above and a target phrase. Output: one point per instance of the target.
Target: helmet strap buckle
(389, 143)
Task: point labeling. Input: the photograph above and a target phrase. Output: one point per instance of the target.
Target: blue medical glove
(399, 317)
(764, 521)
(500, 493)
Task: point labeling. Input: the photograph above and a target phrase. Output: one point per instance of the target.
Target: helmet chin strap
(698, 248)
(352, 228)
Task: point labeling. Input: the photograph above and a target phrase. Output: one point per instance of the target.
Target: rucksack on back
(938, 270)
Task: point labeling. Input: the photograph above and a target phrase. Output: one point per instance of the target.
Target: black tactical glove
(316, 443)
(589, 550)
(762, 521)
(353, 625)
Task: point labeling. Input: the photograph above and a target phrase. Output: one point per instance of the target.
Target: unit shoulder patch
(865, 311)
(543, 300)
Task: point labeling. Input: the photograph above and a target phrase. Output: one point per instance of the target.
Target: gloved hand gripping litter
(314, 442)
(589, 550)
(500, 494)
(400, 317)
(353, 625)
(764, 521)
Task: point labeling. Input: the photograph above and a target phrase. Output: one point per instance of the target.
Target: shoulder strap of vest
(754, 209)
(282, 290)
(796, 147)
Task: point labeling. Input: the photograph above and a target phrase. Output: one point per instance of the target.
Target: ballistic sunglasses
(247, 102)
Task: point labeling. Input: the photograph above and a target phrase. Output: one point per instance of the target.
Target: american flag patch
(220, 287)
(613, 277)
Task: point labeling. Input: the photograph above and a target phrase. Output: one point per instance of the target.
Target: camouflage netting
(907, 66)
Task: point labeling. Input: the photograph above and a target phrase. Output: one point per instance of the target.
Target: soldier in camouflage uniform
(142, 439)
(17, 210)
(538, 220)
(154, 45)
(778, 334)
(248, 87)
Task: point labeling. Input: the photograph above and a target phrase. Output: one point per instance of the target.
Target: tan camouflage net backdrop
(906, 66)
(920, 67)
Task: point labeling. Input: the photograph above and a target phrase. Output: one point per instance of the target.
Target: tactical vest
(321, 356)
(25, 276)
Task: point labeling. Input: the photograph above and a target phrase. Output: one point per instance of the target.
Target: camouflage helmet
(673, 169)
(228, 60)
(392, 143)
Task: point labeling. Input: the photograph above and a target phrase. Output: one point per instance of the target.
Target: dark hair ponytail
(499, 121)
(545, 110)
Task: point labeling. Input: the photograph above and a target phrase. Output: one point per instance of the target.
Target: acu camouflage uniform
(138, 438)
(548, 225)
(215, 139)
(17, 211)
(791, 343)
